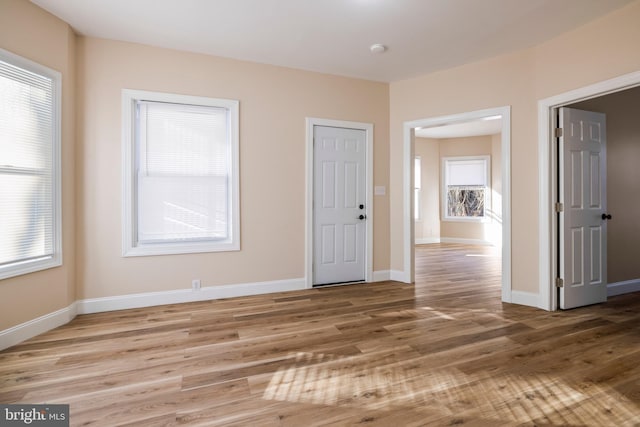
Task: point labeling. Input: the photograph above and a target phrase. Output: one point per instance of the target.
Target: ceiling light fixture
(377, 48)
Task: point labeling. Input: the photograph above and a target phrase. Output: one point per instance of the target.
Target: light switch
(380, 190)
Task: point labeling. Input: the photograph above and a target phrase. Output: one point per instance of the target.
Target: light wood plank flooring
(445, 352)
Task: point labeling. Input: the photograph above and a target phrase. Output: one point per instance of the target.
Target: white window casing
(180, 174)
(30, 170)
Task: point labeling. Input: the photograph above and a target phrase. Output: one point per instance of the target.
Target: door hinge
(559, 282)
(559, 207)
(558, 132)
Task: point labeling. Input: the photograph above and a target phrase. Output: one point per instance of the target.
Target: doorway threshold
(327, 285)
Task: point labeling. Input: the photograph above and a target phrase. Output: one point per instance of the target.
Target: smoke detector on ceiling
(377, 48)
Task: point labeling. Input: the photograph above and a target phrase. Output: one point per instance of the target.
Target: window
(180, 175)
(465, 188)
(29, 166)
(417, 183)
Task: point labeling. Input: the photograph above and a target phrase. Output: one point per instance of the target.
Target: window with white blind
(181, 174)
(30, 218)
(465, 192)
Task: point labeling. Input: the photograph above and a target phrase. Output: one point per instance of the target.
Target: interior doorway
(440, 124)
(588, 98)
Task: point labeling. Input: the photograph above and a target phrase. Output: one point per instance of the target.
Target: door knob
(362, 217)
(605, 216)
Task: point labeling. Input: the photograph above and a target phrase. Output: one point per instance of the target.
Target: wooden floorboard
(443, 352)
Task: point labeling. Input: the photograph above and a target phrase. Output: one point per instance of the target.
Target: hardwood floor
(445, 352)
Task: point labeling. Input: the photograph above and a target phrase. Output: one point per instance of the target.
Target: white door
(339, 205)
(582, 224)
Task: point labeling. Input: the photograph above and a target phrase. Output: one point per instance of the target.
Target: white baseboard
(400, 276)
(525, 298)
(382, 275)
(24, 331)
(17, 334)
(625, 287)
(148, 299)
(465, 241)
(427, 240)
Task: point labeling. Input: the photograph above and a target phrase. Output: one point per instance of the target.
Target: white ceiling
(333, 36)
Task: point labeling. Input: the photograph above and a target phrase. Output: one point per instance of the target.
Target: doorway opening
(584, 98)
(484, 226)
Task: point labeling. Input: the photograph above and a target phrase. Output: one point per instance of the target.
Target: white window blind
(465, 188)
(182, 172)
(181, 192)
(28, 150)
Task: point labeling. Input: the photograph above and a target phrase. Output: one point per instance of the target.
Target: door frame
(548, 178)
(309, 235)
(408, 275)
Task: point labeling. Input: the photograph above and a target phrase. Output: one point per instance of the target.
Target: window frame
(130, 246)
(19, 268)
(487, 187)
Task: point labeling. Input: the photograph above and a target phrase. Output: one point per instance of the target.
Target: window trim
(55, 260)
(443, 191)
(130, 247)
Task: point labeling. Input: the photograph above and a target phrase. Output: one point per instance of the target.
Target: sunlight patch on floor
(343, 381)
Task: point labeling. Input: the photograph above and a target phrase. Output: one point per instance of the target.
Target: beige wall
(274, 102)
(623, 180)
(29, 31)
(603, 49)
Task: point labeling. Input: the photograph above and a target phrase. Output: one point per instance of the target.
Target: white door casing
(582, 226)
(339, 205)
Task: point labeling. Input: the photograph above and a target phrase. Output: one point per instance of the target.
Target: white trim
(310, 122)
(466, 241)
(427, 240)
(399, 276)
(55, 260)
(625, 287)
(407, 218)
(24, 331)
(546, 179)
(525, 298)
(149, 299)
(129, 245)
(381, 275)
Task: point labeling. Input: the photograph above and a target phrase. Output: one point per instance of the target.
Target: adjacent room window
(29, 166)
(181, 174)
(417, 183)
(465, 188)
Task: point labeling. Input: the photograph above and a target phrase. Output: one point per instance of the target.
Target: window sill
(179, 248)
(32, 266)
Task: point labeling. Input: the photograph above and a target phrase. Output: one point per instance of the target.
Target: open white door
(339, 205)
(582, 229)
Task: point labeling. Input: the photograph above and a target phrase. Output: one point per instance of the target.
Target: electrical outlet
(195, 284)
